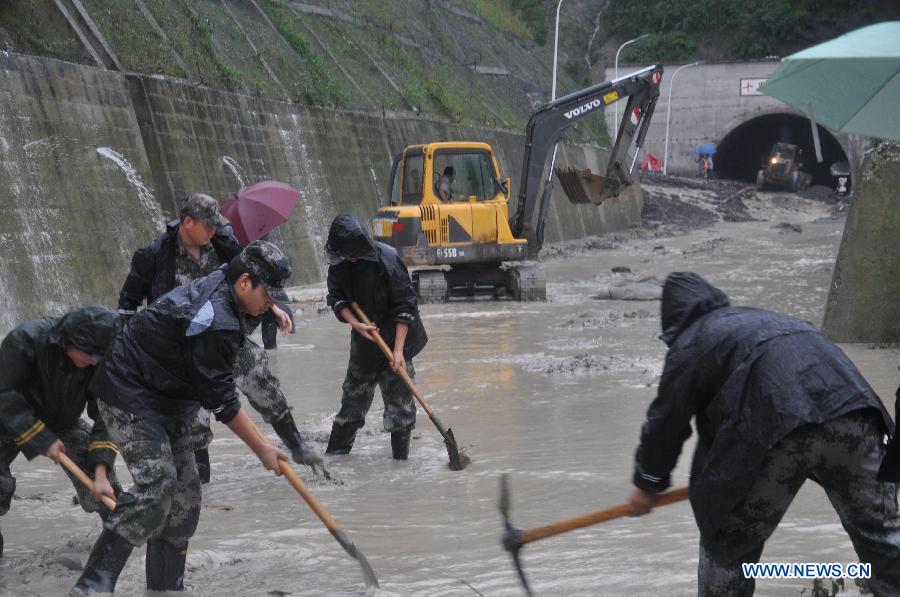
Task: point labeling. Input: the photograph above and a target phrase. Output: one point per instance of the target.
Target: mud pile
(674, 206)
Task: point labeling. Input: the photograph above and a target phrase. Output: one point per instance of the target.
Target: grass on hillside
(322, 89)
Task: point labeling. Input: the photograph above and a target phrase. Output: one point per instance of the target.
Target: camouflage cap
(268, 263)
(203, 208)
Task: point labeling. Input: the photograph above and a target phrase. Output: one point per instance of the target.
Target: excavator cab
(448, 214)
(468, 229)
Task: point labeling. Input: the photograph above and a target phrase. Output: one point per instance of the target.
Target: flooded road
(552, 393)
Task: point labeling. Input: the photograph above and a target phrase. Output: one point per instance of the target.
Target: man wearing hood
(373, 275)
(775, 403)
(192, 247)
(169, 360)
(46, 367)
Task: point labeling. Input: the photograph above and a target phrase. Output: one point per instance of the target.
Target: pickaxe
(514, 539)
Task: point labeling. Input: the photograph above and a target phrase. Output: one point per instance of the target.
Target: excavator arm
(547, 124)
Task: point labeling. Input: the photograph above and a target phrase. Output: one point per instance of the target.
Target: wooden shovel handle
(301, 488)
(85, 480)
(390, 356)
(585, 520)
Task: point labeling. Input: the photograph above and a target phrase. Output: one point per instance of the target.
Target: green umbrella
(850, 84)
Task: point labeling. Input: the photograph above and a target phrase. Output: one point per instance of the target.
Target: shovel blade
(583, 186)
(457, 461)
(353, 552)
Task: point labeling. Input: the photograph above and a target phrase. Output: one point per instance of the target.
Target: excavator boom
(547, 124)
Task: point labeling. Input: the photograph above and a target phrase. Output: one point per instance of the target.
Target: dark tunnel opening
(744, 150)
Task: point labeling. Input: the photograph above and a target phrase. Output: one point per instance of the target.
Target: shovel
(85, 480)
(457, 461)
(514, 539)
(336, 532)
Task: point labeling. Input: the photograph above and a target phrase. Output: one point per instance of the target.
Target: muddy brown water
(552, 393)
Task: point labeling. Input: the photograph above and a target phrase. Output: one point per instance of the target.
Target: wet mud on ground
(552, 393)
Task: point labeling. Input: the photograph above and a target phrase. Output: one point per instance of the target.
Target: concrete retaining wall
(864, 298)
(92, 162)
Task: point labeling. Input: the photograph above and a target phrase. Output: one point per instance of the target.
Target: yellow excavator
(448, 214)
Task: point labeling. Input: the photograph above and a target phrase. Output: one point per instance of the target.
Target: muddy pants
(359, 391)
(165, 500)
(843, 456)
(76, 439)
(256, 381)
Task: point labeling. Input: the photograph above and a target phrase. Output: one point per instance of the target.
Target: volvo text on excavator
(448, 214)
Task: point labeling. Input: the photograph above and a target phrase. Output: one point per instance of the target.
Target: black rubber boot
(341, 439)
(165, 566)
(104, 565)
(400, 444)
(202, 458)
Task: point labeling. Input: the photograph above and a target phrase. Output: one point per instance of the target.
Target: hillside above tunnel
(469, 62)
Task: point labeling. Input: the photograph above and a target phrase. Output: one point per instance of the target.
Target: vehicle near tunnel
(783, 169)
(466, 243)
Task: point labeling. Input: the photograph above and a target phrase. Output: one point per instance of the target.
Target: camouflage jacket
(178, 354)
(152, 271)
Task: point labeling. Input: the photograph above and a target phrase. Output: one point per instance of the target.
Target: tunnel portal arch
(743, 150)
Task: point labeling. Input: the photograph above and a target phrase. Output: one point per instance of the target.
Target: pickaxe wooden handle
(79, 474)
(357, 310)
(586, 520)
(514, 539)
(339, 535)
(458, 460)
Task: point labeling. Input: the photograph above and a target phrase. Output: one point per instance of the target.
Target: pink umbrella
(255, 210)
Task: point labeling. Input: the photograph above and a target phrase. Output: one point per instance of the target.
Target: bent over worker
(170, 359)
(775, 403)
(373, 275)
(192, 247)
(46, 366)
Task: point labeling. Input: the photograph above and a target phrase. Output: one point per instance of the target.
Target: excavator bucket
(583, 186)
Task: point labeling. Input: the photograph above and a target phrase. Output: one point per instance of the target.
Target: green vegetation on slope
(322, 89)
(681, 30)
(502, 16)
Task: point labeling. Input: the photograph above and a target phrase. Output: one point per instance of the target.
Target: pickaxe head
(512, 537)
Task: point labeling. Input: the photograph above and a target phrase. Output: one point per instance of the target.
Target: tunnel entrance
(743, 150)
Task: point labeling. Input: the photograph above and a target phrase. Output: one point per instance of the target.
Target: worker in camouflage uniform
(776, 403)
(170, 359)
(46, 366)
(373, 275)
(191, 248)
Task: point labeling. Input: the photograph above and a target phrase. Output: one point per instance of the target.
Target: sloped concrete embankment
(93, 162)
(864, 298)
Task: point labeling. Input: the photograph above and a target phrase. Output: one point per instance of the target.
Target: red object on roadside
(256, 210)
(651, 163)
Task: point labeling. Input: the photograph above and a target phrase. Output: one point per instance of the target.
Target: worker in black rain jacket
(373, 275)
(170, 359)
(192, 247)
(775, 403)
(46, 367)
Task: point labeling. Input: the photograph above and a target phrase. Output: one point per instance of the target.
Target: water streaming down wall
(69, 218)
(93, 161)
